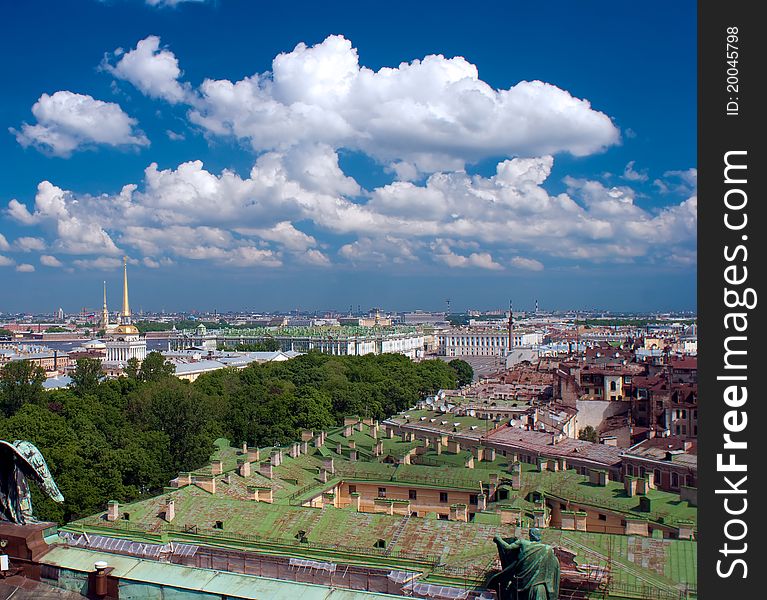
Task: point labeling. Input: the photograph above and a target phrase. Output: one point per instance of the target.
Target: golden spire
(105, 311)
(126, 306)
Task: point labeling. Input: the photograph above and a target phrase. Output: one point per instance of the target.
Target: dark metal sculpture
(530, 569)
(20, 461)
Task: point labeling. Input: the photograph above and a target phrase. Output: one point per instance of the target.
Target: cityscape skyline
(243, 156)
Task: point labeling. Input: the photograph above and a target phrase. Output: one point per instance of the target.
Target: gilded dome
(125, 330)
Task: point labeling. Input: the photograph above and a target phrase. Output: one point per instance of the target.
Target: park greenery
(124, 439)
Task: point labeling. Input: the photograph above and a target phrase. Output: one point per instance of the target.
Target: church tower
(125, 342)
(105, 312)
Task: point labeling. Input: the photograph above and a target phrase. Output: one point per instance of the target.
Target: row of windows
(689, 480)
(682, 429)
(413, 495)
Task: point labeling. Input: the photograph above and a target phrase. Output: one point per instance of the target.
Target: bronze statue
(19, 461)
(530, 569)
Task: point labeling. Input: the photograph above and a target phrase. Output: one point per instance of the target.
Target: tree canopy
(125, 438)
(464, 372)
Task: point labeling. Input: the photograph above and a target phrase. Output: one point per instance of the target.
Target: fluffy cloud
(4, 245)
(682, 183)
(298, 207)
(423, 116)
(25, 268)
(481, 260)
(67, 122)
(384, 250)
(153, 71)
(5, 261)
(629, 174)
(28, 244)
(104, 263)
(526, 264)
(50, 261)
(76, 226)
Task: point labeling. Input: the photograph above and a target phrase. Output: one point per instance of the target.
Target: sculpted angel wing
(33, 466)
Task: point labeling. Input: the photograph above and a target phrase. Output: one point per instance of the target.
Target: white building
(465, 342)
(124, 341)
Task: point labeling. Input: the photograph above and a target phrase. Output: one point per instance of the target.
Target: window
(442, 517)
(352, 489)
(684, 414)
(630, 470)
(412, 494)
(602, 517)
(382, 492)
(613, 386)
(656, 476)
(443, 496)
(674, 480)
(219, 525)
(473, 499)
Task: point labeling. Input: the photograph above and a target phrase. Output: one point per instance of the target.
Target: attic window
(218, 525)
(126, 516)
(381, 543)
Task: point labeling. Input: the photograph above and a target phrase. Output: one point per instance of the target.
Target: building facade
(466, 342)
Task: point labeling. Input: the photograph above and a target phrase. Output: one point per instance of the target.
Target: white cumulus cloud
(50, 261)
(152, 70)
(277, 215)
(25, 268)
(422, 116)
(67, 122)
(28, 244)
(527, 264)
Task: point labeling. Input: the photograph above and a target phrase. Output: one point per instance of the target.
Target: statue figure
(18, 462)
(530, 569)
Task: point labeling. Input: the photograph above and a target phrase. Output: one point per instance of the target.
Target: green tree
(132, 368)
(5, 333)
(181, 412)
(86, 376)
(463, 371)
(588, 434)
(155, 368)
(21, 382)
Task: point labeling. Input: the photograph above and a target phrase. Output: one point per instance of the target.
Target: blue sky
(248, 155)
